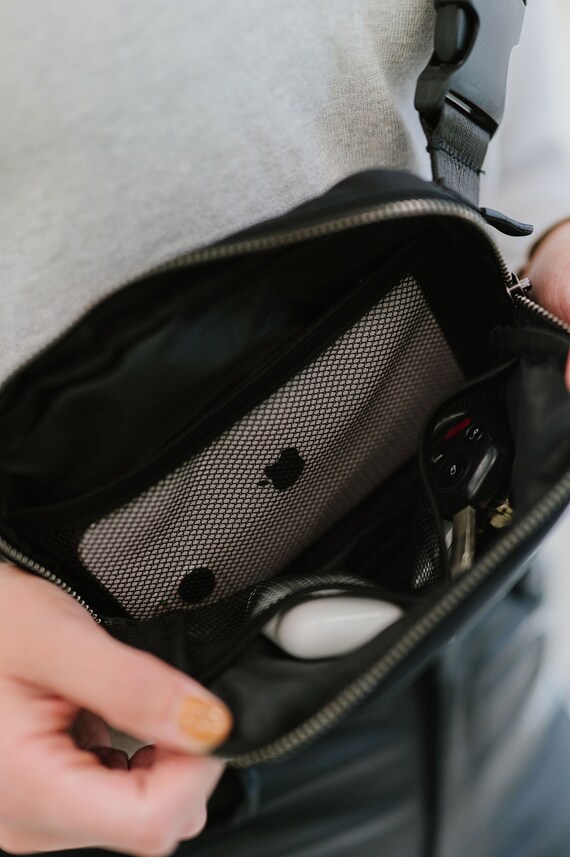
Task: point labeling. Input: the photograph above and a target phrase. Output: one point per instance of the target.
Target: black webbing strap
(461, 93)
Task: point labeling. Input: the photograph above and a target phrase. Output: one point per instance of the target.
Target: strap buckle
(469, 66)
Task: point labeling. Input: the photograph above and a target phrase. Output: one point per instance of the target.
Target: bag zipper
(538, 517)
(11, 553)
(518, 294)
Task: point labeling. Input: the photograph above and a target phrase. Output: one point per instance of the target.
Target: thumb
(131, 690)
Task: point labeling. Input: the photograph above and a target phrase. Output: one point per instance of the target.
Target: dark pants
(473, 760)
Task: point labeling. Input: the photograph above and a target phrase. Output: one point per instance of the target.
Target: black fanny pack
(261, 420)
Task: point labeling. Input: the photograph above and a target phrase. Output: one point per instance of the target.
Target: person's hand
(549, 272)
(62, 678)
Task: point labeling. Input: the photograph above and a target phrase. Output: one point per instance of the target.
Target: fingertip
(207, 721)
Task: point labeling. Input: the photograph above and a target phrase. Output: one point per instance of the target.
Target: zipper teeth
(366, 683)
(389, 211)
(17, 556)
(542, 313)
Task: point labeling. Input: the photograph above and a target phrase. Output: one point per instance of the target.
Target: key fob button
(452, 471)
(474, 433)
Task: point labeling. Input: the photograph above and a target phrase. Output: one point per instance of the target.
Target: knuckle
(158, 846)
(12, 843)
(156, 837)
(165, 852)
(164, 833)
(196, 823)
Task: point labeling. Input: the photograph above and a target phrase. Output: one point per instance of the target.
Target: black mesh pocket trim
(204, 643)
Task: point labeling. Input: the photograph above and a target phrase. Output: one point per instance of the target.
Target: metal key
(470, 463)
(463, 541)
(501, 515)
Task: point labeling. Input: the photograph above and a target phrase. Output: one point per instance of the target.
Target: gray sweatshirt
(131, 132)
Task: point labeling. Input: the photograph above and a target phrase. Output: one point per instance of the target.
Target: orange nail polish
(207, 722)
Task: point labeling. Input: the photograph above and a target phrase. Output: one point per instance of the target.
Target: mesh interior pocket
(243, 508)
(197, 641)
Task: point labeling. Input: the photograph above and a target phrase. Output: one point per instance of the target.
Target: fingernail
(208, 723)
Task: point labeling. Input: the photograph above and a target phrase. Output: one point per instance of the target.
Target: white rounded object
(324, 627)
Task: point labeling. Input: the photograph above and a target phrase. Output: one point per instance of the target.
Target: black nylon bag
(251, 423)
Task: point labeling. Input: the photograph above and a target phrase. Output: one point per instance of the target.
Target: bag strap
(461, 93)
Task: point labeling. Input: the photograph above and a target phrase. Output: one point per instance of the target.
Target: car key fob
(470, 461)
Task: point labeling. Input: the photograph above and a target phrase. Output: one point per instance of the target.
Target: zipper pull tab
(505, 224)
(519, 288)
